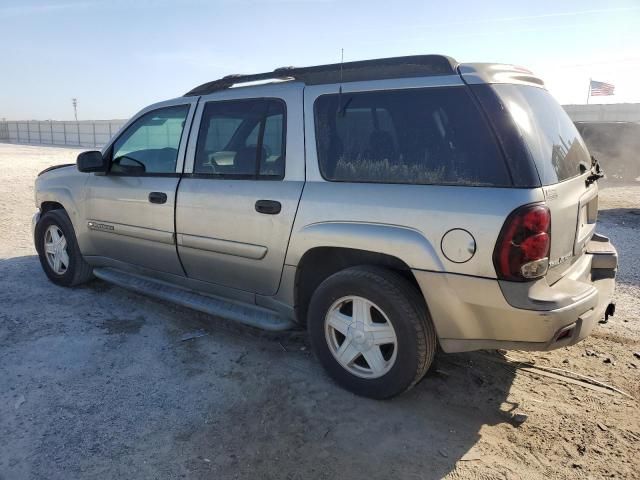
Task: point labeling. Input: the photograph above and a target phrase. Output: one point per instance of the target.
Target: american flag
(600, 89)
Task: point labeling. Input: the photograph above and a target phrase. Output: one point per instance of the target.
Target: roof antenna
(340, 89)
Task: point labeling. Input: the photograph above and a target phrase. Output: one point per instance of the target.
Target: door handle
(158, 197)
(268, 207)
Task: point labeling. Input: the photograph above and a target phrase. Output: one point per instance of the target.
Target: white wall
(616, 112)
(96, 133)
(87, 133)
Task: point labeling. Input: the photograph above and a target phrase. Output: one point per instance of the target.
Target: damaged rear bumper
(478, 313)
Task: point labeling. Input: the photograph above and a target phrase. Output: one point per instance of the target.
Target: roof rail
(378, 69)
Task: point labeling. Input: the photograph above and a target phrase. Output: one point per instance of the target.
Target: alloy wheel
(55, 248)
(361, 337)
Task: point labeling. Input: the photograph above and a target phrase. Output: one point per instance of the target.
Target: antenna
(340, 89)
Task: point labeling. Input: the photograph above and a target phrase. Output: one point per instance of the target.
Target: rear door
(243, 179)
(563, 164)
(130, 210)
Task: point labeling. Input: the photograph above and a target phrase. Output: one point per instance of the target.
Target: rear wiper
(342, 109)
(596, 171)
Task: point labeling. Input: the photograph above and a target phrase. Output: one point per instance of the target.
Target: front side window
(416, 136)
(242, 138)
(150, 144)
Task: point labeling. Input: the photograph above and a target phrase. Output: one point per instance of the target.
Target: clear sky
(118, 56)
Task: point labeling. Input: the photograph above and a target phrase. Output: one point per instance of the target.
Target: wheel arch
(59, 198)
(319, 263)
(50, 205)
(407, 244)
(320, 249)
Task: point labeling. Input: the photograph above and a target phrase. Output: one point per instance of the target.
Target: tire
(390, 299)
(77, 271)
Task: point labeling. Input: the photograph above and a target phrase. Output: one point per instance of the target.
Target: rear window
(551, 137)
(415, 136)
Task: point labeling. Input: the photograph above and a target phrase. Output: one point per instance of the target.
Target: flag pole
(589, 91)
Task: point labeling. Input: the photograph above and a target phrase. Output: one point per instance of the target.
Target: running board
(243, 313)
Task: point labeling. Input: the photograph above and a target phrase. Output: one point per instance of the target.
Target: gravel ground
(97, 382)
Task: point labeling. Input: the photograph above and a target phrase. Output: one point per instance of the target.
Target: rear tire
(58, 250)
(390, 350)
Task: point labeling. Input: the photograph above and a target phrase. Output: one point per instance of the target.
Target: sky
(118, 56)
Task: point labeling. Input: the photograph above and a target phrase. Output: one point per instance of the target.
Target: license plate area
(587, 218)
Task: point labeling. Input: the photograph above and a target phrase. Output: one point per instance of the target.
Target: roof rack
(378, 69)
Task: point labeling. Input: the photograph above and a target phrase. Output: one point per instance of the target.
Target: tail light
(522, 250)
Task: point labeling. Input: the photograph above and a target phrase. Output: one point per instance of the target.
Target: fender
(59, 186)
(407, 244)
(61, 195)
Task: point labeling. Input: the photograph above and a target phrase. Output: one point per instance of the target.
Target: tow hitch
(609, 312)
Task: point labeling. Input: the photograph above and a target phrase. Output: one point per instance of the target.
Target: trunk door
(563, 164)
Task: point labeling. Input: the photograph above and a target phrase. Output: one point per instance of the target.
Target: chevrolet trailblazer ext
(390, 206)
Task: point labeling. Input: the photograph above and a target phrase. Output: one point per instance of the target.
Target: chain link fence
(87, 133)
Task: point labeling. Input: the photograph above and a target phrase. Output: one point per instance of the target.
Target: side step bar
(252, 315)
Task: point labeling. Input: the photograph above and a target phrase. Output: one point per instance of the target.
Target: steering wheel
(267, 149)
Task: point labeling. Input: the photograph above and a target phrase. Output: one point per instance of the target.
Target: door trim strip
(226, 247)
(143, 233)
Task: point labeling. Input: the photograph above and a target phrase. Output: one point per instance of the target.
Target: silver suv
(389, 206)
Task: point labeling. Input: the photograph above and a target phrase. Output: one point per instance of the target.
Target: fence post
(64, 131)
(28, 133)
(95, 144)
(78, 126)
(39, 133)
(53, 142)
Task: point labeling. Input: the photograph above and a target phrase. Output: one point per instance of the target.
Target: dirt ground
(97, 382)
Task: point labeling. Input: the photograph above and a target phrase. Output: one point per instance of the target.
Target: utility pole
(74, 102)
(589, 91)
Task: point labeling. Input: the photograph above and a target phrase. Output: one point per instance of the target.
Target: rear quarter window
(550, 136)
(414, 136)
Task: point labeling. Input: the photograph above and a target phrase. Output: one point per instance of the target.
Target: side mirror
(91, 161)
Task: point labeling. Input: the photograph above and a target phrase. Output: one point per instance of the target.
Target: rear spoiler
(476, 73)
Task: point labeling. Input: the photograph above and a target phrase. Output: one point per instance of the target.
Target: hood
(55, 167)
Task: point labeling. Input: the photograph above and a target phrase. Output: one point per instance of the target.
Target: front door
(130, 210)
(239, 195)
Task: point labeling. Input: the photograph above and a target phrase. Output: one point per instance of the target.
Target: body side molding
(227, 247)
(131, 231)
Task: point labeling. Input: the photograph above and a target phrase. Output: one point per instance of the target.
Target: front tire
(58, 250)
(371, 330)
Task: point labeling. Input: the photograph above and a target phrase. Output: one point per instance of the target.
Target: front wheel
(58, 250)
(371, 331)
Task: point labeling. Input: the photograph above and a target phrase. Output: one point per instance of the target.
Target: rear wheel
(58, 250)
(371, 331)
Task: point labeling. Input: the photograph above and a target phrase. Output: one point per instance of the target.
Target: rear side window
(551, 137)
(415, 136)
(242, 138)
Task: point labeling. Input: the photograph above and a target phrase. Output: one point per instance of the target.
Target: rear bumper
(472, 313)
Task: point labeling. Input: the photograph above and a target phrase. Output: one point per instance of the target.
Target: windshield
(553, 141)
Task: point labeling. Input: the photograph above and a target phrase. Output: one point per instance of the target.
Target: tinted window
(242, 138)
(422, 136)
(150, 144)
(552, 139)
